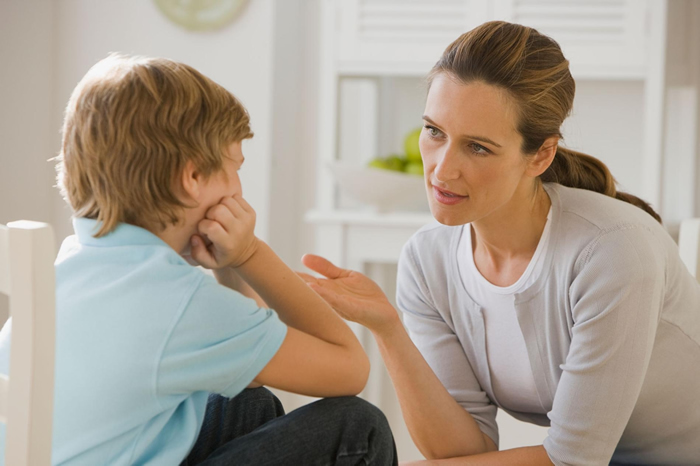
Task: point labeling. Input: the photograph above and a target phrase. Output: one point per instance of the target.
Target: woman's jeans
(252, 429)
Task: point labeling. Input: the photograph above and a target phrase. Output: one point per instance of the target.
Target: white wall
(26, 123)
(26, 30)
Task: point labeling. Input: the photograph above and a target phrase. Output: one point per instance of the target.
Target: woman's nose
(447, 167)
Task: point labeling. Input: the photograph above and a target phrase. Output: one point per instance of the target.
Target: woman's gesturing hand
(353, 295)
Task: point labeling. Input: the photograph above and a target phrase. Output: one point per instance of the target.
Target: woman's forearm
(439, 426)
(524, 456)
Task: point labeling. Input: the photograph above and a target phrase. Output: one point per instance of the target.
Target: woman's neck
(511, 234)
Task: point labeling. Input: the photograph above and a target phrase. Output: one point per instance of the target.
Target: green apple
(379, 163)
(410, 145)
(393, 162)
(396, 162)
(414, 168)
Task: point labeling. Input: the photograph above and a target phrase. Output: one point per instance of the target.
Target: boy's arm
(229, 278)
(320, 355)
(297, 305)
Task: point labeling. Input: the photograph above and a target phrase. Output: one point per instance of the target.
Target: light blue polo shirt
(142, 339)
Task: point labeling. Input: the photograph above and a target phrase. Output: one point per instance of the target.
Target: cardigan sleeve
(616, 299)
(439, 344)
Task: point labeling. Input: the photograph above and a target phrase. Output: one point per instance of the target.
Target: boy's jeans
(252, 429)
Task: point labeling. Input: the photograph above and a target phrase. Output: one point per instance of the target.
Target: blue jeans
(252, 429)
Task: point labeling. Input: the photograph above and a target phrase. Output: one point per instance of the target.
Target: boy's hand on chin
(229, 226)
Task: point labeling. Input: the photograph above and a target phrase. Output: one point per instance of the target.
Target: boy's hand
(229, 226)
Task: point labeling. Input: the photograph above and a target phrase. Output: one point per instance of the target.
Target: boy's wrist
(254, 248)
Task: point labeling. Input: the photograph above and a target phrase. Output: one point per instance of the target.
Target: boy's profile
(154, 357)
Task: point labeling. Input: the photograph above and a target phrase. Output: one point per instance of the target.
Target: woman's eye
(478, 149)
(432, 131)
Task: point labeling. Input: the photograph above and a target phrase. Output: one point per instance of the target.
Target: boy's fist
(229, 226)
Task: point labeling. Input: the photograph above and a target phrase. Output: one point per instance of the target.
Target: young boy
(150, 351)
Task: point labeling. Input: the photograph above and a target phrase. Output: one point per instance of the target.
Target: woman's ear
(191, 181)
(544, 156)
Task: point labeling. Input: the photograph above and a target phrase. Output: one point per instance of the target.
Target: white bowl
(386, 190)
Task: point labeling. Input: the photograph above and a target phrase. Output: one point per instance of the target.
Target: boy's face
(206, 193)
(225, 183)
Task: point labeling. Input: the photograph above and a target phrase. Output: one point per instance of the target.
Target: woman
(541, 290)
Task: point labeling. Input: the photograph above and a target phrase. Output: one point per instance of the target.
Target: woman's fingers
(323, 266)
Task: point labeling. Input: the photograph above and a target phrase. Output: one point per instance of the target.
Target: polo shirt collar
(123, 235)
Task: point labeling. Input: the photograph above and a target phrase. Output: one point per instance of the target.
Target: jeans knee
(362, 416)
(360, 412)
(259, 394)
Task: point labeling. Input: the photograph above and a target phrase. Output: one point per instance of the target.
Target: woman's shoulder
(593, 213)
(587, 219)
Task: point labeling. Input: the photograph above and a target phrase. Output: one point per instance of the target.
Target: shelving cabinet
(376, 53)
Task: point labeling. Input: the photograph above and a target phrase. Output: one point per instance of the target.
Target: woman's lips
(446, 197)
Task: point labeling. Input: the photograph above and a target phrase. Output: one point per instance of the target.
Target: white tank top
(511, 375)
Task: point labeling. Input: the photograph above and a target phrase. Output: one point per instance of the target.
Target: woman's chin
(449, 219)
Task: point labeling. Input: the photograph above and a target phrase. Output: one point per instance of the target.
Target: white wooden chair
(26, 398)
(689, 245)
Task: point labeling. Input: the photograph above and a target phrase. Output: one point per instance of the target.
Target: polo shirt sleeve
(616, 300)
(437, 341)
(221, 341)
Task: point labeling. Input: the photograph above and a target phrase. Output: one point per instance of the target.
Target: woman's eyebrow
(466, 136)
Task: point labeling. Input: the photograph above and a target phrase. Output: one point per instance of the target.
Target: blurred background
(344, 81)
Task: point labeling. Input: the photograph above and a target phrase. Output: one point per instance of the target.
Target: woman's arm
(441, 429)
(524, 456)
(439, 426)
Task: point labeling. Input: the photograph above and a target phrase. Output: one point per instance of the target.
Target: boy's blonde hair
(131, 124)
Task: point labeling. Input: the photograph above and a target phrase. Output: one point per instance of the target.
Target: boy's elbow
(359, 373)
(363, 373)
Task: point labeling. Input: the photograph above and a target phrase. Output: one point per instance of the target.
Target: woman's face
(471, 152)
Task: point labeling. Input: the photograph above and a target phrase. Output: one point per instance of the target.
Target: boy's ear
(191, 180)
(541, 161)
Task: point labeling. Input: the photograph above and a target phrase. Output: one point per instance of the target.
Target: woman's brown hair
(130, 126)
(532, 68)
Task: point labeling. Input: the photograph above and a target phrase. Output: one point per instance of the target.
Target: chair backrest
(26, 399)
(689, 245)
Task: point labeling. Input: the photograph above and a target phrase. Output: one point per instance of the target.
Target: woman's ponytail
(578, 170)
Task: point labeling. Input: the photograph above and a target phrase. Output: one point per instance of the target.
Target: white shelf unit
(376, 53)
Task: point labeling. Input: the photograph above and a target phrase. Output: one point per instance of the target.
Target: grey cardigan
(612, 329)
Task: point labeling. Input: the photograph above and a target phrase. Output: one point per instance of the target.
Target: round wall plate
(201, 15)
